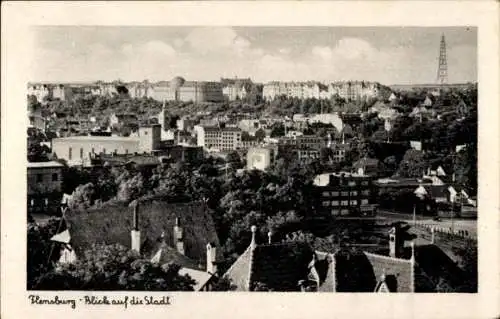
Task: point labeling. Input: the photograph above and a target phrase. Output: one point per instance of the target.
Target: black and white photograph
(252, 158)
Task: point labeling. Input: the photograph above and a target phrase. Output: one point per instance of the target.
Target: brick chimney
(135, 234)
(178, 236)
(211, 259)
(396, 242)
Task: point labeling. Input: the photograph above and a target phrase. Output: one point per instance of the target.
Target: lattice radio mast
(442, 74)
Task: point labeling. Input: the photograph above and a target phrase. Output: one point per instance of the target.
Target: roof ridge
(234, 263)
(250, 267)
(388, 257)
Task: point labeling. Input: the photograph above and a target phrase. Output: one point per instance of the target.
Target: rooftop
(98, 138)
(44, 164)
(112, 222)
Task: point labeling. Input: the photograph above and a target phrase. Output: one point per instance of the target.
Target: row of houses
(179, 89)
(184, 233)
(351, 90)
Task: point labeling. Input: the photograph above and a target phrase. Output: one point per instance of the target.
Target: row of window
(365, 192)
(352, 202)
(70, 152)
(39, 177)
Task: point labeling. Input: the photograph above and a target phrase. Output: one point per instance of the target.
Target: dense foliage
(114, 267)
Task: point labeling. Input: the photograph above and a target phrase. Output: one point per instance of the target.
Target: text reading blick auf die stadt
(123, 301)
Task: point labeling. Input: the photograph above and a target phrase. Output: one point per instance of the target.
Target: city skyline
(389, 55)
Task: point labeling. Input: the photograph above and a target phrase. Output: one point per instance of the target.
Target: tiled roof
(365, 161)
(165, 254)
(280, 266)
(436, 191)
(129, 159)
(432, 264)
(396, 268)
(200, 277)
(239, 272)
(112, 222)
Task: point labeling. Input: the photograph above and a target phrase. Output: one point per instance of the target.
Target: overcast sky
(387, 55)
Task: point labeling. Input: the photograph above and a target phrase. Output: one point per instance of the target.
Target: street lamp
(420, 193)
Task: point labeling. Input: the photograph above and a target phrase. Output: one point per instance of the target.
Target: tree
(114, 267)
(413, 164)
(277, 130)
(131, 189)
(260, 134)
(41, 253)
(83, 197)
(465, 168)
(469, 263)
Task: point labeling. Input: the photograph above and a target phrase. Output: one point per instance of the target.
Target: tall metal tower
(442, 73)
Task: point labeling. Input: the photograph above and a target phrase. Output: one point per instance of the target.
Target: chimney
(211, 259)
(396, 242)
(178, 236)
(269, 236)
(135, 234)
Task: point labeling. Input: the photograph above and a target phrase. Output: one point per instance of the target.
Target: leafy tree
(260, 134)
(41, 252)
(413, 164)
(83, 197)
(131, 189)
(114, 267)
(469, 263)
(277, 130)
(465, 168)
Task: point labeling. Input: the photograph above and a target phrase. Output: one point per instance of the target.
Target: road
(469, 225)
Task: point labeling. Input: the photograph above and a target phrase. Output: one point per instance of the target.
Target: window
(344, 193)
(335, 203)
(325, 204)
(335, 212)
(364, 183)
(344, 212)
(354, 202)
(365, 192)
(145, 132)
(335, 193)
(39, 178)
(351, 183)
(354, 193)
(344, 203)
(55, 177)
(364, 201)
(326, 194)
(70, 153)
(81, 152)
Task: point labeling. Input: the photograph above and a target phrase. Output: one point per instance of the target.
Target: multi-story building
(179, 89)
(346, 195)
(347, 90)
(79, 150)
(216, 138)
(40, 91)
(306, 155)
(260, 158)
(236, 89)
(44, 185)
(140, 89)
(304, 141)
(339, 151)
(35, 118)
